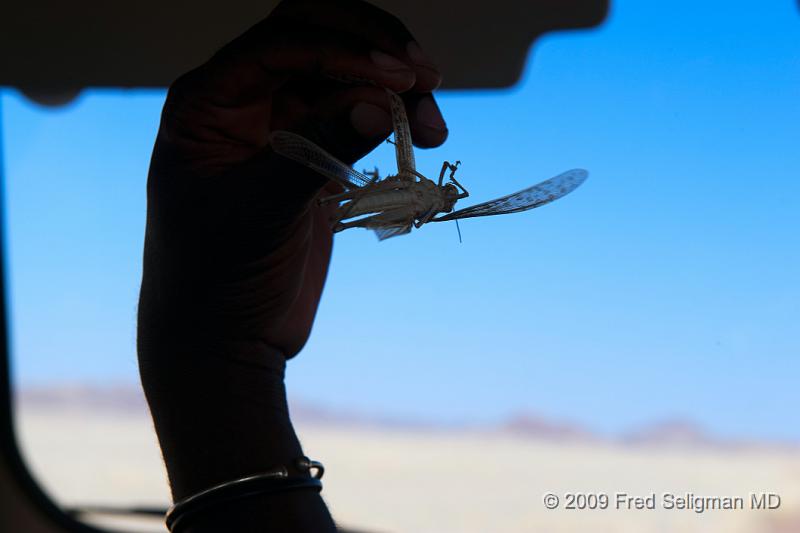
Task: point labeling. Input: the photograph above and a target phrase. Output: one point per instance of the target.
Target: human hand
(236, 247)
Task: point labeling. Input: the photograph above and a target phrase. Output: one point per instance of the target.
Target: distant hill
(124, 398)
(129, 399)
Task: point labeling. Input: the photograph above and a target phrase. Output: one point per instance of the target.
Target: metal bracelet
(272, 481)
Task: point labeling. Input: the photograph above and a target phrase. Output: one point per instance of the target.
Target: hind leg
(341, 197)
(392, 217)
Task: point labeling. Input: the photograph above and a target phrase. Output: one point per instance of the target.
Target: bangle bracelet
(273, 481)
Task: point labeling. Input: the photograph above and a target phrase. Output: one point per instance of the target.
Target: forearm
(238, 248)
(220, 413)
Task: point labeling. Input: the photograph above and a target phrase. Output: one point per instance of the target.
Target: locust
(394, 204)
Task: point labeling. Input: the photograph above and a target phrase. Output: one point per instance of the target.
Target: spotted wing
(530, 198)
(301, 150)
(394, 231)
(402, 134)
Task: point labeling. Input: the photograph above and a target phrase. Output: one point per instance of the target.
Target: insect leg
(441, 174)
(361, 223)
(357, 196)
(397, 217)
(453, 168)
(347, 195)
(445, 166)
(425, 218)
(373, 175)
(463, 194)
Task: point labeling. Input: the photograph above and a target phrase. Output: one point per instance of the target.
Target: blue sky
(666, 286)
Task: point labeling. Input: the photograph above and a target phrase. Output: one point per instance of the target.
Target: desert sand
(424, 479)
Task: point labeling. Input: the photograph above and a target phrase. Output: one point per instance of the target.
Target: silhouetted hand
(237, 248)
(242, 247)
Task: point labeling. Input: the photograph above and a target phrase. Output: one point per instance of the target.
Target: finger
(428, 128)
(237, 74)
(351, 122)
(228, 102)
(369, 23)
(348, 124)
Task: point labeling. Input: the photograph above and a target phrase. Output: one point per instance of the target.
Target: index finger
(365, 21)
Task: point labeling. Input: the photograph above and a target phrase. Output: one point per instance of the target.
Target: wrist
(220, 410)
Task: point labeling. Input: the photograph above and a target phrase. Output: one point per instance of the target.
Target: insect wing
(393, 231)
(530, 198)
(402, 134)
(301, 150)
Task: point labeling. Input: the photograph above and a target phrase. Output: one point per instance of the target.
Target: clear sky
(666, 286)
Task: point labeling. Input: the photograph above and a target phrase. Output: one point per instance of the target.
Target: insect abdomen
(382, 201)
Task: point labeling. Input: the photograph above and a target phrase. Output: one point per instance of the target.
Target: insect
(393, 205)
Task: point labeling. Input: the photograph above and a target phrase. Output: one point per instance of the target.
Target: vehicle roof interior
(51, 49)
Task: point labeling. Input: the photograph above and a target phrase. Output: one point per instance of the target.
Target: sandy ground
(392, 480)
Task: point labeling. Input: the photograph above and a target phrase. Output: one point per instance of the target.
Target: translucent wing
(301, 150)
(402, 134)
(394, 231)
(530, 198)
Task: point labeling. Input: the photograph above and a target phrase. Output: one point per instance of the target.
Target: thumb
(350, 123)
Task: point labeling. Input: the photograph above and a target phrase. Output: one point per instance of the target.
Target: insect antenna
(459, 232)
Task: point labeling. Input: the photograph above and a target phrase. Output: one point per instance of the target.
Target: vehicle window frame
(26, 484)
